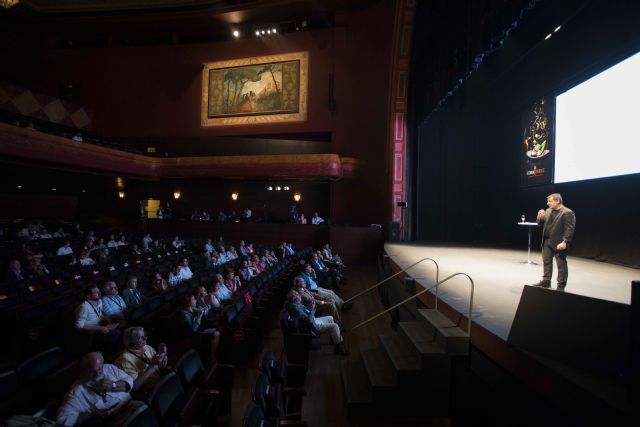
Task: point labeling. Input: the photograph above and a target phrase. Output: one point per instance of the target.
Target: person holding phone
(141, 361)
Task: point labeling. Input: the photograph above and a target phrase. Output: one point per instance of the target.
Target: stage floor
(500, 275)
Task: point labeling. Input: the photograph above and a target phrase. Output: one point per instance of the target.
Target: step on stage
(577, 348)
(500, 276)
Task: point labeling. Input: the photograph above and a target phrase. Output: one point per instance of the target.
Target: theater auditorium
(339, 213)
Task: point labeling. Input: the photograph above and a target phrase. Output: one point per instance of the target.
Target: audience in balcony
(316, 219)
(141, 361)
(131, 295)
(65, 249)
(100, 393)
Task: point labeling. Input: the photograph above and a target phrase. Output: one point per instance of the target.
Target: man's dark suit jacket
(561, 228)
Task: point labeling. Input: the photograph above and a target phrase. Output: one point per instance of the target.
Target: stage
(500, 275)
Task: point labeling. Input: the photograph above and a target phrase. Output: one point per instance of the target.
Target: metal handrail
(392, 276)
(414, 296)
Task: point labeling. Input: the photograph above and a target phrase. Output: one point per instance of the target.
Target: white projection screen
(598, 125)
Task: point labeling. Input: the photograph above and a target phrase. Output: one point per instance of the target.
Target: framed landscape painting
(258, 90)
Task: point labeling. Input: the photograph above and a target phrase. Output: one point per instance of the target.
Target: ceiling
(82, 23)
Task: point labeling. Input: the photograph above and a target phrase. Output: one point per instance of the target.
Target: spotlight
(548, 36)
(557, 28)
(121, 194)
(297, 197)
(19, 186)
(270, 188)
(286, 188)
(234, 196)
(273, 30)
(177, 195)
(278, 188)
(268, 31)
(236, 33)
(257, 33)
(262, 32)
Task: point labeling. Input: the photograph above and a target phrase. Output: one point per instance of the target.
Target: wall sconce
(278, 188)
(234, 196)
(121, 194)
(176, 195)
(297, 197)
(119, 182)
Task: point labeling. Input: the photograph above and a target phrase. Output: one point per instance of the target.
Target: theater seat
(255, 417)
(142, 417)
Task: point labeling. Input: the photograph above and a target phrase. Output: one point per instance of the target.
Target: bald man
(99, 391)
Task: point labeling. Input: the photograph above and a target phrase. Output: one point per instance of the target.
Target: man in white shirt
(91, 318)
(99, 391)
(185, 271)
(65, 249)
(316, 219)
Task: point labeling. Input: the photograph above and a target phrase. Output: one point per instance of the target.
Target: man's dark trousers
(548, 253)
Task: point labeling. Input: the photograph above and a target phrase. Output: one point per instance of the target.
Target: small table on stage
(530, 225)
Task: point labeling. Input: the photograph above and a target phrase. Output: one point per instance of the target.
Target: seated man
(16, 279)
(324, 305)
(112, 304)
(308, 275)
(316, 220)
(91, 318)
(323, 271)
(131, 295)
(98, 393)
(185, 271)
(175, 278)
(140, 361)
(318, 325)
(65, 249)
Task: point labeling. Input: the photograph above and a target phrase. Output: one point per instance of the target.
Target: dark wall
(154, 91)
(467, 174)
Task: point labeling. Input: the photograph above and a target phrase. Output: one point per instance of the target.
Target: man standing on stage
(558, 224)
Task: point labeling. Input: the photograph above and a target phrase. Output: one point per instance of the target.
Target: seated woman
(232, 282)
(189, 315)
(140, 360)
(205, 301)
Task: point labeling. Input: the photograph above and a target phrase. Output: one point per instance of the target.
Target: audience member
(65, 249)
(141, 361)
(324, 324)
(113, 305)
(131, 295)
(98, 395)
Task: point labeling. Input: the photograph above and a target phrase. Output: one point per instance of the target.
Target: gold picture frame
(258, 90)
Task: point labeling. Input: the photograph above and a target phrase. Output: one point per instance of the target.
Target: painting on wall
(258, 90)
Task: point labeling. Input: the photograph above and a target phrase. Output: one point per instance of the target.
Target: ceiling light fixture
(557, 28)
(8, 3)
(548, 36)
(236, 33)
